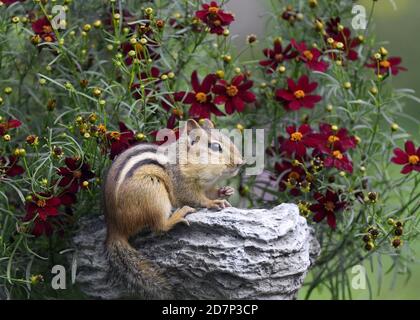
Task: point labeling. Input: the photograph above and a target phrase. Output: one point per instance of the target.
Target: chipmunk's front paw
(225, 192)
(218, 204)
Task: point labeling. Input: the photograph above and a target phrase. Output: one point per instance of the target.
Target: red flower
(10, 167)
(201, 99)
(46, 206)
(74, 174)
(331, 138)
(336, 159)
(42, 27)
(5, 126)
(298, 141)
(277, 56)
(67, 198)
(235, 94)
(214, 17)
(343, 36)
(410, 158)
(42, 209)
(298, 94)
(120, 141)
(290, 176)
(385, 66)
(327, 206)
(310, 57)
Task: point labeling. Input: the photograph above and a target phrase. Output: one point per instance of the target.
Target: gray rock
(231, 254)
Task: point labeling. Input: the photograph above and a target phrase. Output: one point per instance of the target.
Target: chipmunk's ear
(206, 124)
(192, 125)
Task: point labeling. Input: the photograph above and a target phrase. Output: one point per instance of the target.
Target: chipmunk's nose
(240, 162)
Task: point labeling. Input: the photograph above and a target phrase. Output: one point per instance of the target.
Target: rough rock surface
(230, 254)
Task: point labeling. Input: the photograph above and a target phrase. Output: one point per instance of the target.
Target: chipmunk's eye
(216, 147)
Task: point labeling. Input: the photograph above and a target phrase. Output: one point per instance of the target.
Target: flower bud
(140, 136)
(220, 74)
(313, 3)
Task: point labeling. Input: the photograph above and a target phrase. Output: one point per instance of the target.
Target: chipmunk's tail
(128, 266)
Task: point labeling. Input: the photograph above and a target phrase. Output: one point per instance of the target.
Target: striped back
(126, 164)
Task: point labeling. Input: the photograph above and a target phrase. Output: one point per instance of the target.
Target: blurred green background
(399, 26)
(396, 25)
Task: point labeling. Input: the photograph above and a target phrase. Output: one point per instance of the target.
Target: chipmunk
(142, 188)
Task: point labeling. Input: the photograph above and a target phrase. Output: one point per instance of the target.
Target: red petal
(218, 89)
(14, 123)
(239, 104)
(195, 82)
(266, 63)
(237, 80)
(409, 148)
(303, 83)
(319, 216)
(248, 96)
(246, 86)
(208, 82)
(331, 220)
(285, 95)
(291, 84)
(53, 202)
(229, 107)
(294, 105)
(407, 169)
(215, 110)
(304, 129)
(220, 99)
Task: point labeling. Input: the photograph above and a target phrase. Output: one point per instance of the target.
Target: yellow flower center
(232, 91)
(214, 10)
(338, 155)
(332, 139)
(201, 97)
(299, 94)
(413, 160)
(41, 203)
(48, 39)
(294, 175)
(217, 23)
(385, 64)
(178, 112)
(47, 29)
(278, 57)
(77, 174)
(101, 128)
(139, 47)
(115, 135)
(308, 55)
(296, 136)
(329, 205)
